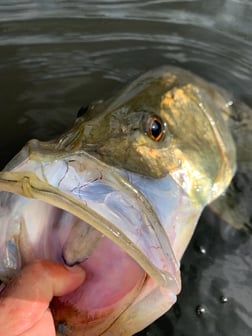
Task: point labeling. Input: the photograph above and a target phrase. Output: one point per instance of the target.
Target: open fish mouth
(120, 194)
(75, 209)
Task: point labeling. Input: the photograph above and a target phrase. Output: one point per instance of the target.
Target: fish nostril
(82, 111)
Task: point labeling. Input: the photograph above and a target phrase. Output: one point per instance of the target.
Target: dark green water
(58, 55)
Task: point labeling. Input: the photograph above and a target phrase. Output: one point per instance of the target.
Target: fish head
(120, 193)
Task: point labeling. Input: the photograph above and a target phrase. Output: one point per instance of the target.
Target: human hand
(24, 303)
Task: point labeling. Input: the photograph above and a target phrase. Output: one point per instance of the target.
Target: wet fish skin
(138, 169)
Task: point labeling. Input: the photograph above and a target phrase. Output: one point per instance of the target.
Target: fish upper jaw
(104, 198)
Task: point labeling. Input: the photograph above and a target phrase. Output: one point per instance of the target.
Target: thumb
(24, 301)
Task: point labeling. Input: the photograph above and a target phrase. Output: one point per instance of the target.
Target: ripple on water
(79, 39)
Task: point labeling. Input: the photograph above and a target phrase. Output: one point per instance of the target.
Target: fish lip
(30, 177)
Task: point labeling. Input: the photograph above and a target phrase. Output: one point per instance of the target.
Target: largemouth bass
(122, 190)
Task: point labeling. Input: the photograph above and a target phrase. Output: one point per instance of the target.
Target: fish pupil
(156, 129)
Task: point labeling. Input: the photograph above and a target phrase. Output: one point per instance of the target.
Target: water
(58, 55)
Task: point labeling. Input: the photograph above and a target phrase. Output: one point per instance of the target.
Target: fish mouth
(102, 218)
(113, 282)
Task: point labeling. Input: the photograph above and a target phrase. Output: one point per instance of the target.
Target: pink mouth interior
(113, 280)
(111, 274)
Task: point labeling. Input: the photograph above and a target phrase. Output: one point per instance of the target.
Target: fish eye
(155, 128)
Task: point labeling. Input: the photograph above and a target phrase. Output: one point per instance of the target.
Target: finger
(24, 301)
(44, 327)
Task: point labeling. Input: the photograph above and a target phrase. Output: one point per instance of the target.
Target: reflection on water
(57, 55)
